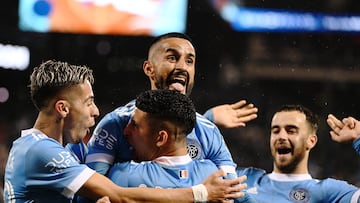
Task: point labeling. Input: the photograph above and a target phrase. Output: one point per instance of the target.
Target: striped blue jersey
(297, 188)
(39, 169)
(108, 144)
(163, 172)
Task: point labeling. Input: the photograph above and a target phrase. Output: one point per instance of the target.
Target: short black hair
(168, 105)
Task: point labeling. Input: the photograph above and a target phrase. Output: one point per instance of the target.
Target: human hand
(222, 190)
(104, 199)
(234, 115)
(346, 130)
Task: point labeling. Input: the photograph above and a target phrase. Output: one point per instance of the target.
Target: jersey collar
(289, 177)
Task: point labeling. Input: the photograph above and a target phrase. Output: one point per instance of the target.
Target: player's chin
(81, 135)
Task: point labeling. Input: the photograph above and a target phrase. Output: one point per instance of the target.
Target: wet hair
(168, 105)
(51, 77)
(311, 117)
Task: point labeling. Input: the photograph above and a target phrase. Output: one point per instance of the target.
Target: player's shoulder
(250, 171)
(35, 137)
(204, 163)
(120, 113)
(124, 110)
(204, 122)
(332, 181)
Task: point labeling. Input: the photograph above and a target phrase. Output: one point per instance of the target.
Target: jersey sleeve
(356, 145)
(56, 169)
(213, 144)
(108, 144)
(339, 191)
(209, 115)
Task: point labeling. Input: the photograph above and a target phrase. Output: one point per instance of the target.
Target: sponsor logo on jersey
(299, 195)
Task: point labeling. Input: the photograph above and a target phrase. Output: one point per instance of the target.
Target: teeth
(178, 80)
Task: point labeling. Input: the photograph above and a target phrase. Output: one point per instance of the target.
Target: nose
(96, 111)
(181, 64)
(282, 134)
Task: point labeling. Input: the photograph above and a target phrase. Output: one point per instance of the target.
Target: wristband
(200, 193)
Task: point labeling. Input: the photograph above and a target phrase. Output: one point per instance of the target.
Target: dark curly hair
(168, 105)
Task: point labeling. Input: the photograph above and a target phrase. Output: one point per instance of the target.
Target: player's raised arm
(232, 115)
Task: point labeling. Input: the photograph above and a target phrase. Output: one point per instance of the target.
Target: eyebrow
(175, 50)
(92, 97)
(286, 126)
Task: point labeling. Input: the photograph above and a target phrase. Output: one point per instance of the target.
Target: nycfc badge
(299, 195)
(194, 149)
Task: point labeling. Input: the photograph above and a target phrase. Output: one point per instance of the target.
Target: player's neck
(298, 169)
(49, 126)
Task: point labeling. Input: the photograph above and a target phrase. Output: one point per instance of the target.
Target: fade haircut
(311, 117)
(170, 35)
(51, 77)
(168, 105)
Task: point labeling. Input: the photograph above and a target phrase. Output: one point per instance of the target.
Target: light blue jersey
(163, 172)
(296, 188)
(108, 144)
(39, 169)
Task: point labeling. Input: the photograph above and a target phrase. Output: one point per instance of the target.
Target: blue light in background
(277, 20)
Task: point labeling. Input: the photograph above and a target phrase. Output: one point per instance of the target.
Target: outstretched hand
(234, 115)
(346, 130)
(221, 190)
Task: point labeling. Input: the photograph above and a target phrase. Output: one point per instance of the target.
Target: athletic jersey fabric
(296, 188)
(163, 172)
(39, 169)
(108, 144)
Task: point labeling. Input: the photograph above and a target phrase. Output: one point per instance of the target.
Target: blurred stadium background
(267, 52)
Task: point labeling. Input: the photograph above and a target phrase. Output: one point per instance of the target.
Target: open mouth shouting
(178, 82)
(284, 150)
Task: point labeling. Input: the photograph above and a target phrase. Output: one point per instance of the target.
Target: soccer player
(157, 132)
(170, 65)
(40, 169)
(293, 135)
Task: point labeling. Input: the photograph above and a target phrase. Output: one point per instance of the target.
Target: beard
(161, 83)
(289, 165)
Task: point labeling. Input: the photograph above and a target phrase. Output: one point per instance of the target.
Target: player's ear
(162, 138)
(62, 107)
(148, 69)
(312, 140)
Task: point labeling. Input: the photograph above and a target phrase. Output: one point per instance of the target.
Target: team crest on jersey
(194, 149)
(299, 195)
